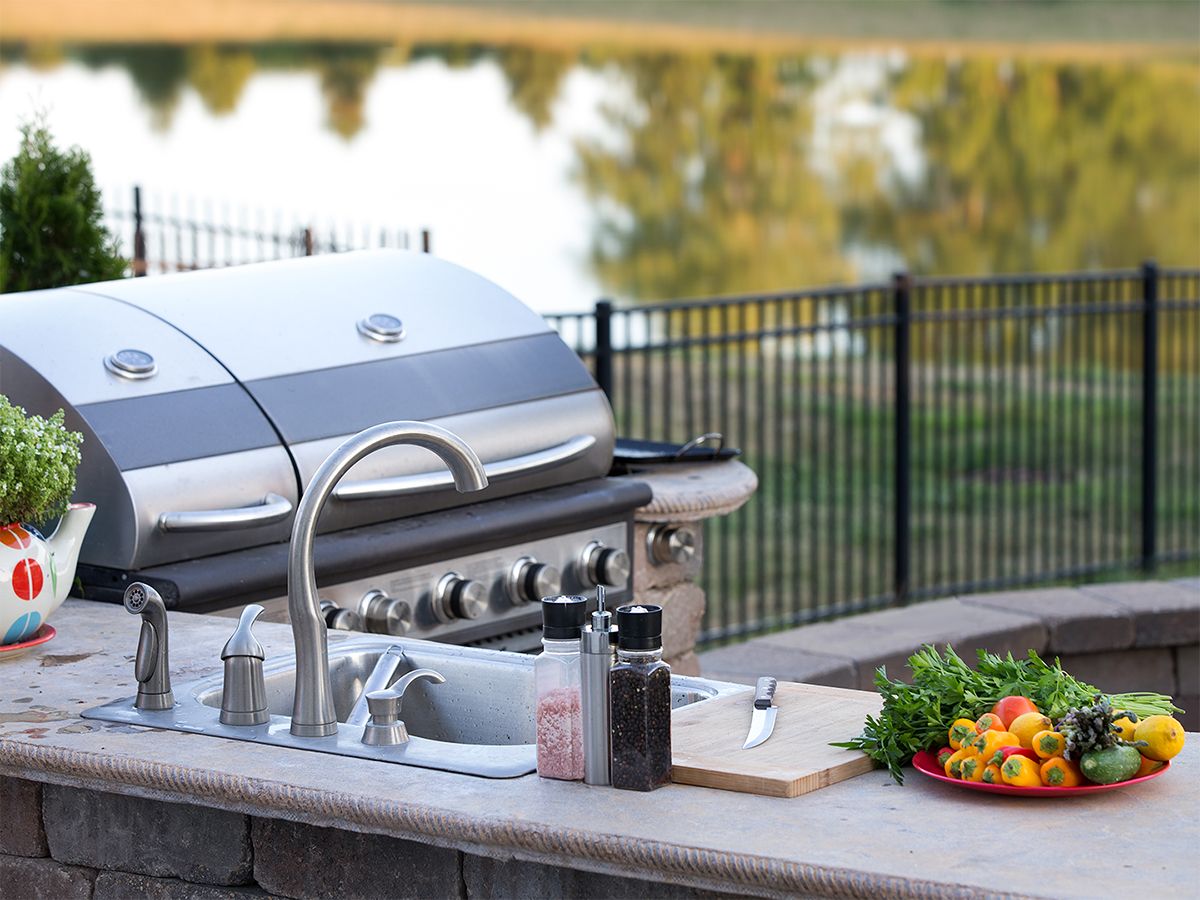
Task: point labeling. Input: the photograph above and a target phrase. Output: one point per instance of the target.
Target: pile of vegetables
(945, 688)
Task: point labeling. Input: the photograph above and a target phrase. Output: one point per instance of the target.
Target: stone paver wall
(1129, 636)
(65, 843)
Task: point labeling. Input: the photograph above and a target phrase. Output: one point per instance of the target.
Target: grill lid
(212, 396)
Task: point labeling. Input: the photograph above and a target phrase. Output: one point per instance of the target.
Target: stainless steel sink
(479, 722)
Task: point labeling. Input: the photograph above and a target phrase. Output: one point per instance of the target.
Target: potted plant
(38, 458)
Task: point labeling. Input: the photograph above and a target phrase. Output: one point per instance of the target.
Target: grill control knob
(529, 581)
(340, 619)
(608, 566)
(385, 615)
(670, 543)
(456, 597)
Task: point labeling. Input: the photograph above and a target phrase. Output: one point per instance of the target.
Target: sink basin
(479, 722)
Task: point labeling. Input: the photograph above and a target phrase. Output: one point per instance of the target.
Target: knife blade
(762, 722)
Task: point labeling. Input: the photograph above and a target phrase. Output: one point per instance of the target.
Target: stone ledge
(1164, 614)
(21, 832)
(1121, 671)
(734, 664)
(1096, 634)
(22, 878)
(133, 834)
(690, 493)
(1076, 622)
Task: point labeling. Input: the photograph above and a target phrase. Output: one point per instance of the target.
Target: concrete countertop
(863, 837)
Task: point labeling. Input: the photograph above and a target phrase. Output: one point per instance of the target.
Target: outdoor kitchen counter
(862, 837)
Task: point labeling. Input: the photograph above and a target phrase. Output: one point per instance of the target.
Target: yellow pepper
(1049, 744)
(955, 761)
(961, 730)
(1021, 771)
(990, 741)
(991, 774)
(972, 768)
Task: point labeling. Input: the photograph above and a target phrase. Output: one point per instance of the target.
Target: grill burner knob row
(608, 566)
(385, 615)
(456, 597)
(529, 581)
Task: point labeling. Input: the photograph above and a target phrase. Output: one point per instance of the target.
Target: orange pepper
(1059, 772)
(1021, 771)
(1048, 744)
(1147, 767)
(989, 722)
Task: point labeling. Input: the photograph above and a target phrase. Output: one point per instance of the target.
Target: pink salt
(560, 734)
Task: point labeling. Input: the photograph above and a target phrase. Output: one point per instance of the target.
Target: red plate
(926, 763)
(43, 634)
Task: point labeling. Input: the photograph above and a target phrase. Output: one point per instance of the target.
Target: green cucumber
(1110, 765)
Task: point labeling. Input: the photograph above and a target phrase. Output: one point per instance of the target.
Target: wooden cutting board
(707, 738)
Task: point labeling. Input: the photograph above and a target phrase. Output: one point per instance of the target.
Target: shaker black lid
(639, 627)
(562, 617)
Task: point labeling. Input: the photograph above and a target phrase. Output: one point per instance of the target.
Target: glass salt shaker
(557, 681)
(641, 702)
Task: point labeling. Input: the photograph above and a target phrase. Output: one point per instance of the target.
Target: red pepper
(944, 754)
(1004, 753)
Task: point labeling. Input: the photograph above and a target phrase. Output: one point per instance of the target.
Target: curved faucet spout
(312, 711)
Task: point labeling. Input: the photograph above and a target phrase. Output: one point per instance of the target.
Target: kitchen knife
(763, 720)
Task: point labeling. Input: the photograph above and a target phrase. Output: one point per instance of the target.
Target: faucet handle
(243, 642)
(385, 727)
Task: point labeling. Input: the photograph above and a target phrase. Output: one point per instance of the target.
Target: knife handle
(764, 690)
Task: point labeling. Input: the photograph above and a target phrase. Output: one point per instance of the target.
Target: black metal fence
(176, 234)
(924, 437)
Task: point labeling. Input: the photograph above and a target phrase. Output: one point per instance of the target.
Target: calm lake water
(646, 176)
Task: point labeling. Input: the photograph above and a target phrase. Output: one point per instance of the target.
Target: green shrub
(51, 232)
(38, 458)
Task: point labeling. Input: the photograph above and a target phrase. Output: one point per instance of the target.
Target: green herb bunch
(944, 688)
(38, 458)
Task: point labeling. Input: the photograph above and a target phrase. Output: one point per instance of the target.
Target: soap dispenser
(244, 695)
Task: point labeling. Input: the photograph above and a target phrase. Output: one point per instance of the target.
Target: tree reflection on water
(726, 172)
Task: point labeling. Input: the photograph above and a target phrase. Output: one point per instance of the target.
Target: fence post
(902, 300)
(1149, 413)
(139, 237)
(308, 241)
(604, 351)
(425, 240)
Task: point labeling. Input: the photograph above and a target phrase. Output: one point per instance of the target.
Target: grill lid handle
(272, 509)
(499, 470)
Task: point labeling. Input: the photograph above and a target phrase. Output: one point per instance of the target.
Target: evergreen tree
(51, 233)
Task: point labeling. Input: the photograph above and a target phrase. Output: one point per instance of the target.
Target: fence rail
(924, 437)
(175, 235)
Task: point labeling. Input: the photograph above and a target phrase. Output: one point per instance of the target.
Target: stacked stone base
(65, 843)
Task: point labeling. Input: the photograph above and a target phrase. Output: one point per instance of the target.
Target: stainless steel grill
(208, 400)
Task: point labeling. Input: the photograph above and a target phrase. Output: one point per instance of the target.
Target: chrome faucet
(312, 710)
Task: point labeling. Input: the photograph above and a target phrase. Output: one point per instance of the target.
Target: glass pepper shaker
(641, 702)
(557, 682)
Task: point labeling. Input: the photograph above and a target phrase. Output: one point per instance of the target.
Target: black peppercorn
(641, 702)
